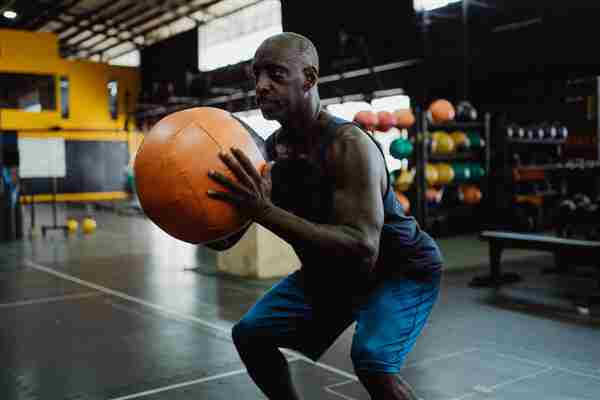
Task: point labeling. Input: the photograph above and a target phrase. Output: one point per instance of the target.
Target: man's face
(279, 80)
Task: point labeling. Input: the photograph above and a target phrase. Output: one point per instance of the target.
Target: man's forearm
(332, 240)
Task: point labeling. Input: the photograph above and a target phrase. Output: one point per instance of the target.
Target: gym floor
(129, 313)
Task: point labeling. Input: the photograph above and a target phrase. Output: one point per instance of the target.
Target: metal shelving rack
(424, 216)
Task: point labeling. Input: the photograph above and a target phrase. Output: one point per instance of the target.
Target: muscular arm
(354, 231)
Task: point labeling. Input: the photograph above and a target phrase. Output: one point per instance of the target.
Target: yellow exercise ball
(431, 174)
(88, 225)
(461, 140)
(445, 173)
(432, 144)
(404, 180)
(72, 225)
(445, 144)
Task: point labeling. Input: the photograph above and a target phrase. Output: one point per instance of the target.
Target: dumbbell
(582, 202)
(539, 132)
(565, 216)
(550, 132)
(511, 131)
(562, 132)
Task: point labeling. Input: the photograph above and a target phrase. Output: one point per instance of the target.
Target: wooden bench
(563, 249)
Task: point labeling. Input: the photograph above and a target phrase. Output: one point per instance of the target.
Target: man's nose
(262, 83)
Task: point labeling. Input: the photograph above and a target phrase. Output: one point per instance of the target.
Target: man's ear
(312, 77)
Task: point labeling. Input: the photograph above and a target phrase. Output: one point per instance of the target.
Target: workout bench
(562, 248)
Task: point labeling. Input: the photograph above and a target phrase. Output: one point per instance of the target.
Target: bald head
(295, 44)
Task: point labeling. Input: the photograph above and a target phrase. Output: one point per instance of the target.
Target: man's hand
(252, 195)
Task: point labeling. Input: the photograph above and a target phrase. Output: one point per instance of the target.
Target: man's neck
(305, 128)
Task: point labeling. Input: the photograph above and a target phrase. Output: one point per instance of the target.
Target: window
(131, 59)
(27, 92)
(64, 96)
(234, 38)
(429, 5)
(113, 98)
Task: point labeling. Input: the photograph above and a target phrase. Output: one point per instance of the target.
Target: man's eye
(278, 74)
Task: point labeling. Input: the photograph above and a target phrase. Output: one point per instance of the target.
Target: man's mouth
(268, 105)
(263, 101)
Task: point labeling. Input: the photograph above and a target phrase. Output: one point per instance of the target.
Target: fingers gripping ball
(171, 170)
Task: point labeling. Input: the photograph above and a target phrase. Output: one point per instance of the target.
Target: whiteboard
(42, 158)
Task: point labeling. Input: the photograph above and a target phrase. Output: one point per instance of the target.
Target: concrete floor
(130, 313)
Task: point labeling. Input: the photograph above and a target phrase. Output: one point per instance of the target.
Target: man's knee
(362, 353)
(243, 332)
(369, 358)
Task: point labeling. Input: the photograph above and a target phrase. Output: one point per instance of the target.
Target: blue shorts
(388, 320)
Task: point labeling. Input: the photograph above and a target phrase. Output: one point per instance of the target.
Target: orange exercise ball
(385, 121)
(367, 119)
(171, 173)
(470, 194)
(404, 118)
(441, 111)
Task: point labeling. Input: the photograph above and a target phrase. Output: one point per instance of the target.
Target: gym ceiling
(102, 30)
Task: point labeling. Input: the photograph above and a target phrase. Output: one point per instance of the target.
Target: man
(327, 194)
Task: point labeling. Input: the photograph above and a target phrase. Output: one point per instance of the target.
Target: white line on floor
(165, 310)
(333, 392)
(327, 367)
(183, 384)
(124, 296)
(512, 381)
(525, 360)
(439, 358)
(464, 396)
(418, 363)
(340, 384)
(49, 300)
(490, 389)
(562, 369)
(188, 383)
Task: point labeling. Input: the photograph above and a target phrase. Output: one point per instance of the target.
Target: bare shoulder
(351, 142)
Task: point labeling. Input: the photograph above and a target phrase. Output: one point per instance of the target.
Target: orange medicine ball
(441, 111)
(404, 118)
(171, 173)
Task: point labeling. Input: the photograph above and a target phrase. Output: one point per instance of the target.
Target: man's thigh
(286, 317)
(390, 321)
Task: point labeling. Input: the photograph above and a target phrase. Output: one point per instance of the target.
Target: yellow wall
(37, 52)
(89, 116)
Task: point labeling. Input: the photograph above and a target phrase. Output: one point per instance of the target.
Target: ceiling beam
(50, 14)
(197, 21)
(128, 27)
(88, 14)
(178, 15)
(113, 18)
